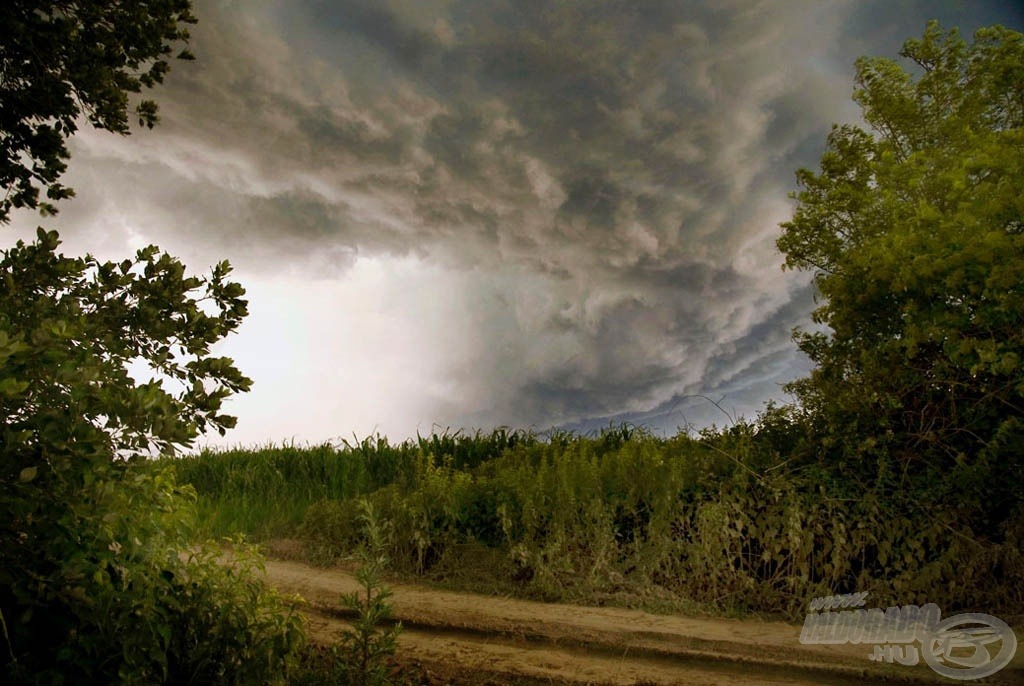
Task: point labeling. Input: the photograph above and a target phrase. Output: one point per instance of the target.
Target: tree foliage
(101, 580)
(61, 59)
(70, 327)
(914, 232)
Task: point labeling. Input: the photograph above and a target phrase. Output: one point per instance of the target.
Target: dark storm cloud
(620, 167)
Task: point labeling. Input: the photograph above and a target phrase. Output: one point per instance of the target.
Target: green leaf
(12, 388)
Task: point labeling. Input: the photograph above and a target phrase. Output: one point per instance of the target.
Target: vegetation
(266, 492)
(899, 469)
(727, 521)
(368, 647)
(915, 237)
(61, 60)
(101, 577)
(897, 472)
(90, 550)
(364, 654)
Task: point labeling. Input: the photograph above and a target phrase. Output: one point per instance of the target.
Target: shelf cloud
(483, 212)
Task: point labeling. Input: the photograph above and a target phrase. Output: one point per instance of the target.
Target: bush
(99, 579)
(114, 591)
(330, 529)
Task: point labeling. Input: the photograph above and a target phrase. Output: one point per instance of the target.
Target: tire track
(489, 639)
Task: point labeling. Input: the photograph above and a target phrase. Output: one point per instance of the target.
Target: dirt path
(480, 639)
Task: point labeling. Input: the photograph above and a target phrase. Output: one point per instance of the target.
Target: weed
(368, 647)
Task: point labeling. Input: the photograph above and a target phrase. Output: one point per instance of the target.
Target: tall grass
(741, 519)
(265, 492)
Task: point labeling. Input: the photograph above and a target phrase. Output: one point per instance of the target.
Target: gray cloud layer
(608, 176)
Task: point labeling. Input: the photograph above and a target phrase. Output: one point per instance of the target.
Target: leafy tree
(69, 327)
(100, 578)
(915, 236)
(60, 59)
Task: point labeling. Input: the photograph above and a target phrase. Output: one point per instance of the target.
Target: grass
(730, 522)
(264, 492)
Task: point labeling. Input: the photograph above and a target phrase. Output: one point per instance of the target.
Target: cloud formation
(584, 196)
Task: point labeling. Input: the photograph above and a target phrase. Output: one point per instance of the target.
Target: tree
(101, 580)
(69, 328)
(60, 59)
(915, 236)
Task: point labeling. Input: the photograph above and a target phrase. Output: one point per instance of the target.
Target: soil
(465, 638)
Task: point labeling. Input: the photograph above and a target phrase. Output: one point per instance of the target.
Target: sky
(464, 214)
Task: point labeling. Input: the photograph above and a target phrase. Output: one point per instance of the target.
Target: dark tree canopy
(914, 230)
(62, 59)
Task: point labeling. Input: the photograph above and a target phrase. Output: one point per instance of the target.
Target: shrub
(99, 579)
(330, 529)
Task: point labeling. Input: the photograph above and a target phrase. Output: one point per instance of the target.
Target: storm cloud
(537, 213)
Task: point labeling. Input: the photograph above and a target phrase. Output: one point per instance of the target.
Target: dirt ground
(474, 639)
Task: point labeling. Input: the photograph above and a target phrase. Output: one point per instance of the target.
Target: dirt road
(478, 639)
